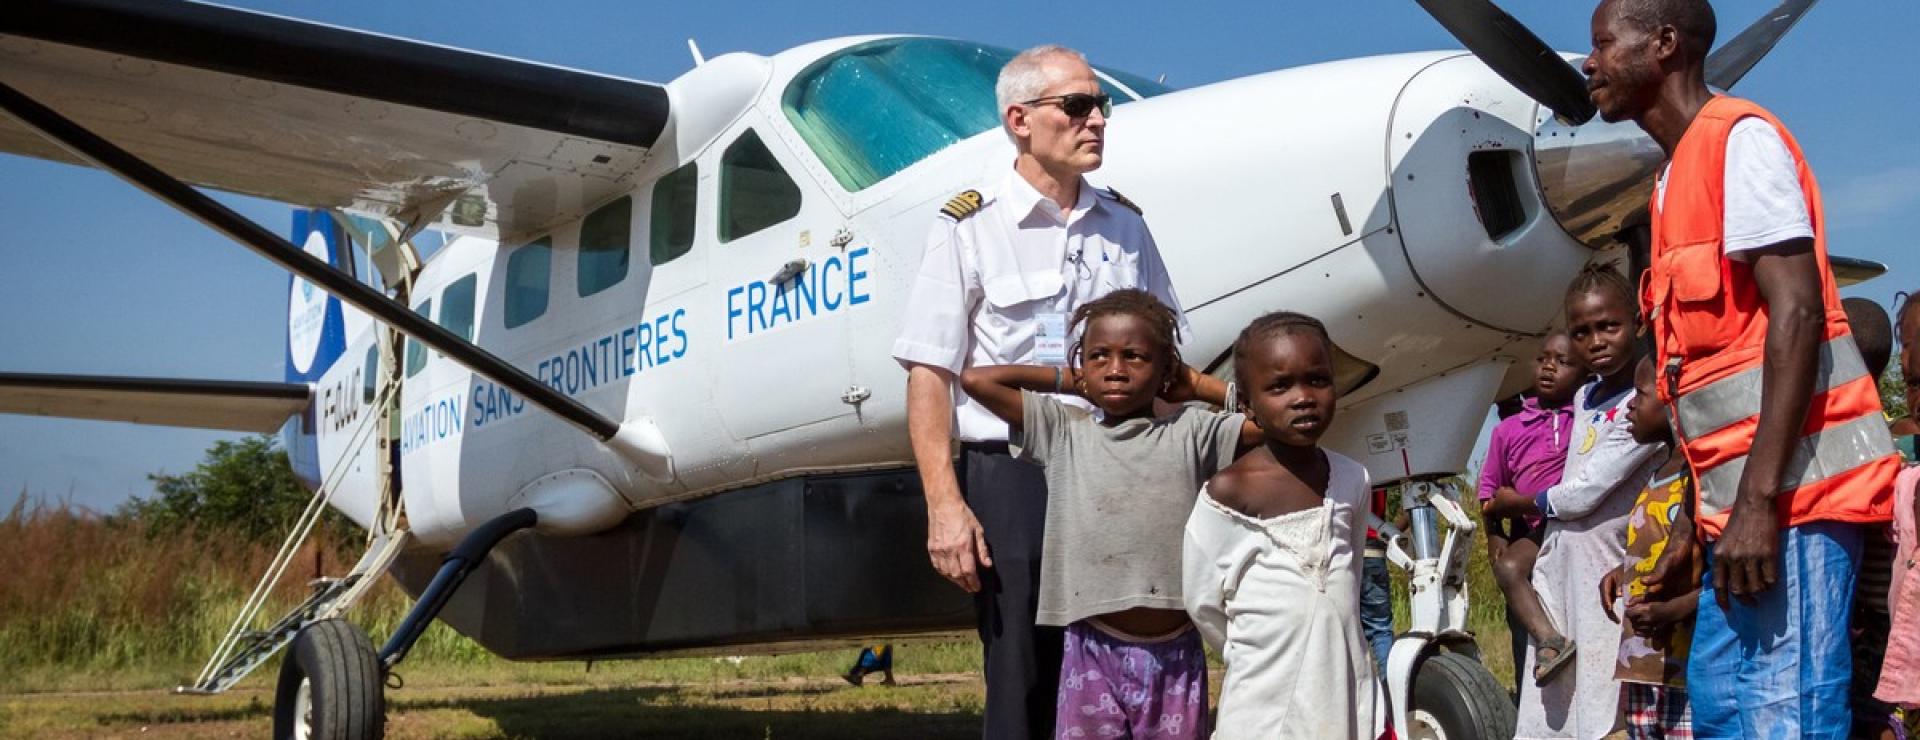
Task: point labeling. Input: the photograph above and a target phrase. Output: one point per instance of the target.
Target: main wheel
(330, 686)
(1455, 698)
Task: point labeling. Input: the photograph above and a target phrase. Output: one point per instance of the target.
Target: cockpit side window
(874, 109)
(754, 191)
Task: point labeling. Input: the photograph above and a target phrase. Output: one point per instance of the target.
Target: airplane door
(786, 292)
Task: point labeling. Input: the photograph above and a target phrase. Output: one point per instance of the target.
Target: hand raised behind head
(1181, 387)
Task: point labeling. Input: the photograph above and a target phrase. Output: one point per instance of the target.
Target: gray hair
(1025, 76)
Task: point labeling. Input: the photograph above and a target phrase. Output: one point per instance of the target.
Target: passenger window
(417, 352)
(604, 238)
(456, 306)
(754, 192)
(670, 231)
(370, 381)
(527, 271)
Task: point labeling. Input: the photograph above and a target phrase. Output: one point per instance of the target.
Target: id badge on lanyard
(1050, 341)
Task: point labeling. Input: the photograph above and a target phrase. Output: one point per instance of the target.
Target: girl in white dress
(1586, 516)
(1271, 571)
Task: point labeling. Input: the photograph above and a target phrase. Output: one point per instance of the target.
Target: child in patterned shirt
(1660, 561)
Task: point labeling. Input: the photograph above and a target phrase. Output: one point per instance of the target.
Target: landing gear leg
(331, 686)
(1439, 688)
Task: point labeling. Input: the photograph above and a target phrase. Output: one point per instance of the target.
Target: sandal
(1545, 668)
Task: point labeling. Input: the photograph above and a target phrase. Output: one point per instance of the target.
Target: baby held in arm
(1120, 481)
(1528, 452)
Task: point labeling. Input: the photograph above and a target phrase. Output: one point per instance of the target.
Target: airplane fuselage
(744, 294)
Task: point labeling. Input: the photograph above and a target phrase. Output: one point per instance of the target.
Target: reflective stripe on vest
(1736, 397)
(1816, 457)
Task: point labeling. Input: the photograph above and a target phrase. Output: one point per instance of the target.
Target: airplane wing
(241, 406)
(322, 116)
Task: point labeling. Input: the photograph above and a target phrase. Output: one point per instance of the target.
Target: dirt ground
(928, 706)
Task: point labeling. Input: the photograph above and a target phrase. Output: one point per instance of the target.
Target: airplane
(657, 334)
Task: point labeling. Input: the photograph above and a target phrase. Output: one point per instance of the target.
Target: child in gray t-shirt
(1120, 485)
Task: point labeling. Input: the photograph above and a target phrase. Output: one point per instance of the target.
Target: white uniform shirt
(1763, 204)
(987, 279)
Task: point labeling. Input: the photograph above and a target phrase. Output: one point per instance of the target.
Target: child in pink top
(1900, 672)
(1526, 453)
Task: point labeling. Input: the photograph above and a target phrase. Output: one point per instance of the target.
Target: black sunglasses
(1078, 105)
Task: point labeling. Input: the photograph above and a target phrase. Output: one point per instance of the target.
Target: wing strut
(640, 442)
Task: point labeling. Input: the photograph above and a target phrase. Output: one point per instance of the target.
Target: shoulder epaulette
(1122, 200)
(961, 206)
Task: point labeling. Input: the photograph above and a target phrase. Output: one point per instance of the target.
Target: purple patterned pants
(1113, 687)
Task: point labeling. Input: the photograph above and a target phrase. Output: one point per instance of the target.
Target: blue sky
(95, 277)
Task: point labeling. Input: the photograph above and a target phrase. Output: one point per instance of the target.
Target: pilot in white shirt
(1003, 271)
(1001, 278)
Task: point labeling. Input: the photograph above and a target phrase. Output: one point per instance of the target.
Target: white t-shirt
(1763, 201)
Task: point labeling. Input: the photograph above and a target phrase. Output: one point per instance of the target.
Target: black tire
(1457, 699)
(346, 699)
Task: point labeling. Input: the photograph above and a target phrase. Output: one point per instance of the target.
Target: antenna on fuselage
(698, 58)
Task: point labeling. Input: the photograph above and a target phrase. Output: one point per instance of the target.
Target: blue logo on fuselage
(832, 285)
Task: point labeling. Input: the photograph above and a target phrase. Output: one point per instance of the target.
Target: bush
(244, 490)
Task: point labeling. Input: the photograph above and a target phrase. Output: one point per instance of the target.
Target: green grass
(97, 622)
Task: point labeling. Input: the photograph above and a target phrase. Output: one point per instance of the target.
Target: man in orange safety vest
(1772, 405)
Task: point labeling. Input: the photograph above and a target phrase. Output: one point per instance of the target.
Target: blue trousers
(1780, 667)
(1376, 610)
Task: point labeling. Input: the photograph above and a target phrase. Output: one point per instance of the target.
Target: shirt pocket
(1020, 297)
(1120, 271)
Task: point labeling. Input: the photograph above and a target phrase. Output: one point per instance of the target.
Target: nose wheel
(1455, 698)
(330, 686)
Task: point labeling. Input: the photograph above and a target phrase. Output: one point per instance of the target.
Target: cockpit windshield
(874, 109)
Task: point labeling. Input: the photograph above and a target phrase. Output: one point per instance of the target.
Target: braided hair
(1163, 325)
(1603, 278)
(1277, 323)
(1600, 278)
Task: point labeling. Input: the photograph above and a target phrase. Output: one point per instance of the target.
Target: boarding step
(331, 597)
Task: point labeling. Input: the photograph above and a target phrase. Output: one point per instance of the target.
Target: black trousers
(1009, 497)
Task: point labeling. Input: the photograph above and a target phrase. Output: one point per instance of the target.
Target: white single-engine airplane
(659, 334)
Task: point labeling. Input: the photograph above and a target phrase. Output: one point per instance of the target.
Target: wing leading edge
(241, 406)
(323, 116)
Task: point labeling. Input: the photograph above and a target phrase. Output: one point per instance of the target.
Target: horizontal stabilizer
(1851, 270)
(238, 405)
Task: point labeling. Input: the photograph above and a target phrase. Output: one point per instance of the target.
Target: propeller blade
(1729, 63)
(1516, 54)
